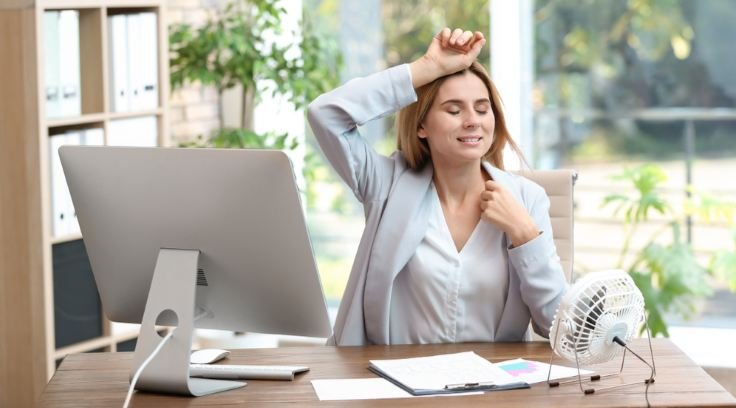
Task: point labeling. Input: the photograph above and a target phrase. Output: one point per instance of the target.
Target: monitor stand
(172, 295)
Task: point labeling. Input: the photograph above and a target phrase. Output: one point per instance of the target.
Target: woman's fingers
(444, 36)
(464, 39)
(459, 39)
(456, 34)
(492, 185)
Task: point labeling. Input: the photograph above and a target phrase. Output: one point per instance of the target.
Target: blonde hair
(416, 150)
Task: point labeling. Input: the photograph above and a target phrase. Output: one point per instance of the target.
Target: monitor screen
(239, 208)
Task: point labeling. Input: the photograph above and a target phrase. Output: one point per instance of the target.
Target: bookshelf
(29, 247)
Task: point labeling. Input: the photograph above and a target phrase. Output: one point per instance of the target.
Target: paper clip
(468, 386)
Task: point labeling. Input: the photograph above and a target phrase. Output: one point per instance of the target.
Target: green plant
(669, 275)
(240, 46)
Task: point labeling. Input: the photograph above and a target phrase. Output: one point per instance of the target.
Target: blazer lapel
(400, 231)
(512, 322)
(503, 178)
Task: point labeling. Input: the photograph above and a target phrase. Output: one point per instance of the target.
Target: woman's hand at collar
(499, 207)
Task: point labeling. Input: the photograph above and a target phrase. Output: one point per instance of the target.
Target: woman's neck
(456, 184)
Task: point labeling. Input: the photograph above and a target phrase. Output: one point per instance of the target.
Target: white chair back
(559, 185)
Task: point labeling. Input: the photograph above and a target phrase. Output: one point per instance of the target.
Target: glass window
(620, 84)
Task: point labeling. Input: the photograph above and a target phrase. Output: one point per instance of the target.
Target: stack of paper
(446, 373)
(429, 375)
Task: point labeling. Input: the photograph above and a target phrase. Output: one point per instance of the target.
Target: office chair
(559, 185)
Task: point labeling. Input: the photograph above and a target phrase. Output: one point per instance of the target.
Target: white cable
(145, 363)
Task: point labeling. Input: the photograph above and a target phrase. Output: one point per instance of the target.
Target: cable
(648, 381)
(145, 363)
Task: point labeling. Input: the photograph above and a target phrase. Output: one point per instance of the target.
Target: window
(619, 84)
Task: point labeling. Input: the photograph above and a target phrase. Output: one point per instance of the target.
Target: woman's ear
(421, 132)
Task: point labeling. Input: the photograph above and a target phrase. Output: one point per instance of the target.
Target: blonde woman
(455, 249)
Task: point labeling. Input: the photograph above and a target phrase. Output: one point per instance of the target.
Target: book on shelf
(133, 61)
(140, 132)
(61, 65)
(63, 216)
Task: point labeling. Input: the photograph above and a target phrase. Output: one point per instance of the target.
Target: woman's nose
(471, 121)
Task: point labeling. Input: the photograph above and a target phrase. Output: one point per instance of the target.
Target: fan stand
(597, 377)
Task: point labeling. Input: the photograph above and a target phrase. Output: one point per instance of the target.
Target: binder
(445, 374)
(58, 186)
(118, 68)
(148, 73)
(62, 210)
(51, 63)
(70, 225)
(140, 132)
(92, 137)
(69, 75)
(135, 59)
(86, 137)
(63, 215)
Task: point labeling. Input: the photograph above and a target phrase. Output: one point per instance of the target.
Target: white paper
(532, 372)
(435, 372)
(357, 389)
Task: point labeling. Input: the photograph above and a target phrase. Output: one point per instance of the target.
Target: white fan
(595, 320)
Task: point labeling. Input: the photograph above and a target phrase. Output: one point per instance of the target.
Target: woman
(454, 249)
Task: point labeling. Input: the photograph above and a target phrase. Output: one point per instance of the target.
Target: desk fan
(595, 320)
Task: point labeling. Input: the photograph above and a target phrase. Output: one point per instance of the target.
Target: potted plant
(670, 275)
(239, 47)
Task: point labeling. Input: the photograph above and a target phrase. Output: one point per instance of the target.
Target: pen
(468, 386)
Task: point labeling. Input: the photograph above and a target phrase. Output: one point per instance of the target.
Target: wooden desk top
(101, 379)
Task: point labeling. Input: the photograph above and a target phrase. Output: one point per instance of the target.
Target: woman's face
(459, 125)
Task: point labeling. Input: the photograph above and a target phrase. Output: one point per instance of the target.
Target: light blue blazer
(396, 201)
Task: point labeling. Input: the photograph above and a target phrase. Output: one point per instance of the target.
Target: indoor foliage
(667, 271)
(241, 46)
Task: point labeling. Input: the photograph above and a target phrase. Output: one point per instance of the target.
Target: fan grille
(598, 307)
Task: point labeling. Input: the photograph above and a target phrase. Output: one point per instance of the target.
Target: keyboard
(245, 372)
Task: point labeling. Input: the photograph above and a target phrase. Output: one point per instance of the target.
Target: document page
(357, 389)
(534, 371)
(443, 371)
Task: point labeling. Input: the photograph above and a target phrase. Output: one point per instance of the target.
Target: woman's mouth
(471, 140)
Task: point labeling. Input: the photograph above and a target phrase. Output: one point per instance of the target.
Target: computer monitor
(222, 228)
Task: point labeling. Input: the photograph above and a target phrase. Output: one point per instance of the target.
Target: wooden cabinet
(29, 245)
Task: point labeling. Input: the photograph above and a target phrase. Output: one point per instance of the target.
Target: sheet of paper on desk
(363, 388)
(533, 371)
(435, 372)
(357, 388)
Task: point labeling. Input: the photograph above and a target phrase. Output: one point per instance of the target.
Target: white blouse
(446, 296)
